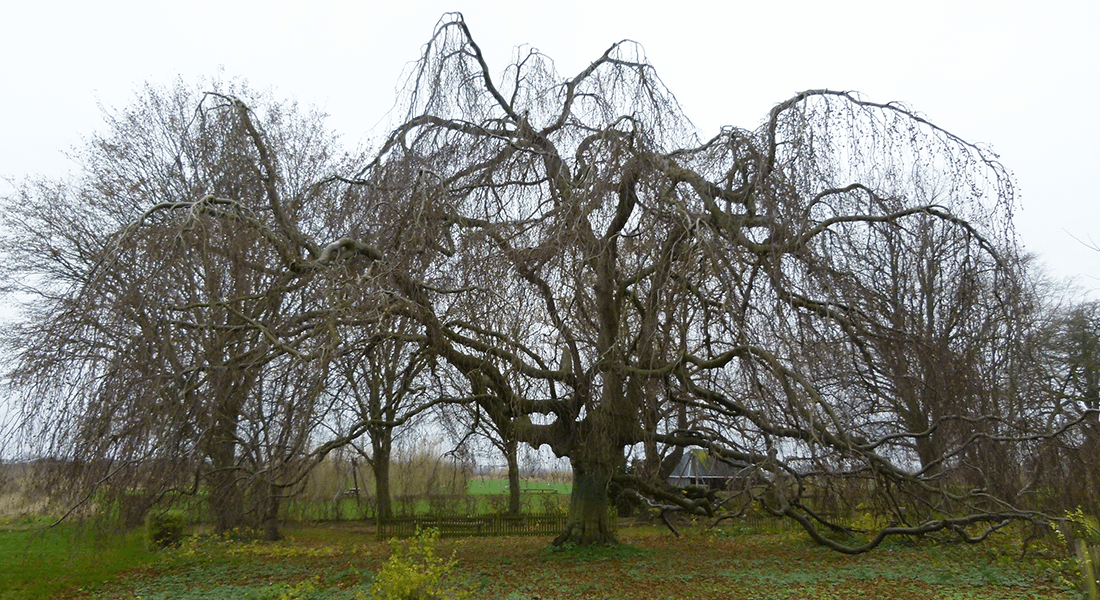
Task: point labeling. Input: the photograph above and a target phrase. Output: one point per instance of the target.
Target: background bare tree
(1066, 377)
(381, 385)
(147, 358)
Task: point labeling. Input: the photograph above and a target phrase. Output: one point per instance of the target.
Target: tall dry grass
(19, 499)
(343, 485)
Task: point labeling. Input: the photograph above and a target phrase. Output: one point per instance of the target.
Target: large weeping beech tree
(784, 297)
(826, 303)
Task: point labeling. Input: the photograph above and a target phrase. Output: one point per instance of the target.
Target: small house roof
(700, 464)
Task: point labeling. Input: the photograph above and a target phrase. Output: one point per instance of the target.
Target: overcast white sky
(1022, 77)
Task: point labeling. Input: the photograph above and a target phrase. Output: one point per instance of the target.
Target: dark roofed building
(699, 467)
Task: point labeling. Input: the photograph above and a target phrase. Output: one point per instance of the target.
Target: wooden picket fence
(479, 526)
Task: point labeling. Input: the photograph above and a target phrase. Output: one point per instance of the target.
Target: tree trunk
(271, 515)
(510, 453)
(380, 464)
(589, 520)
(226, 500)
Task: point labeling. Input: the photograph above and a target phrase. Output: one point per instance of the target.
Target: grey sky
(1020, 77)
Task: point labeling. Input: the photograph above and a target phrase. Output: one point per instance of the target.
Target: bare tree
(468, 423)
(715, 275)
(1067, 373)
(381, 387)
(598, 277)
(159, 311)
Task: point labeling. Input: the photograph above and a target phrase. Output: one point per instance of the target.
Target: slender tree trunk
(380, 464)
(510, 452)
(226, 499)
(382, 488)
(929, 453)
(271, 515)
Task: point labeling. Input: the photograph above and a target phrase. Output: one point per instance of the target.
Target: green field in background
(500, 486)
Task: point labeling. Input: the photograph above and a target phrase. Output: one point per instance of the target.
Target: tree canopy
(829, 303)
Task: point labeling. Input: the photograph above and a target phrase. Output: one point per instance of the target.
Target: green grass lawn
(483, 496)
(342, 561)
(41, 562)
(500, 486)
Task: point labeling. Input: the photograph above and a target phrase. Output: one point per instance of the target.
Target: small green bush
(415, 572)
(1085, 542)
(164, 530)
(1088, 558)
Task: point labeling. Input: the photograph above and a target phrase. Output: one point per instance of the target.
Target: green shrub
(414, 572)
(164, 530)
(1085, 540)
(1088, 557)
